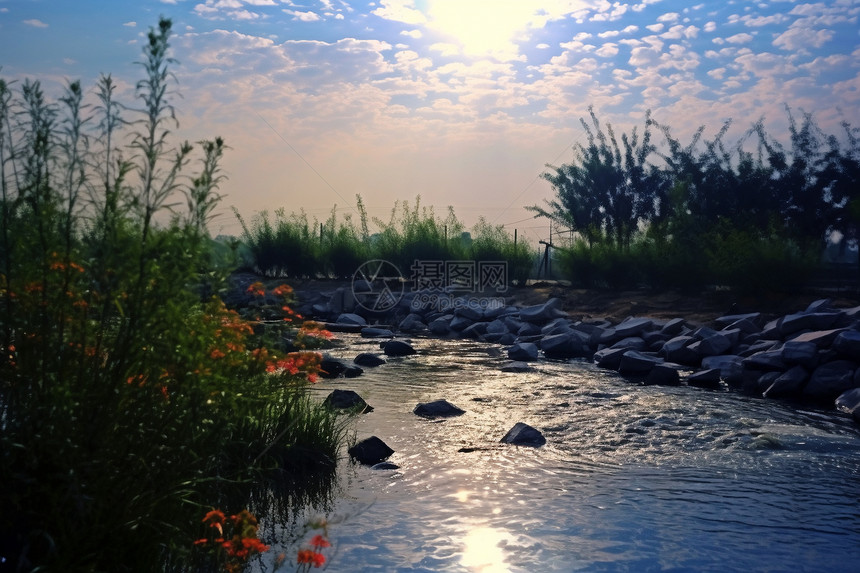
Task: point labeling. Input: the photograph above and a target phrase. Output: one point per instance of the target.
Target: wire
(351, 206)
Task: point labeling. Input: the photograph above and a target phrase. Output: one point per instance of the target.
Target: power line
(307, 163)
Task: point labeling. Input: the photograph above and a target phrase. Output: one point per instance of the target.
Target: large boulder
(439, 408)
(709, 378)
(563, 345)
(542, 313)
(347, 400)
(523, 352)
(849, 402)
(370, 451)
(787, 384)
(609, 358)
(633, 327)
(821, 338)
(847, 344)
(516, 366)
(635, 363)
(523, 435)
(830, 380)
(397, 348)
(678, 350)
(412, 324)
(368, 359)
(376, 332)
(802, 353)
(663, 375)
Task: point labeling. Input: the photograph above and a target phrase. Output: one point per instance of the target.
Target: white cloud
(400, 11)
(656, 27)
(758, 21)
(35, 23)
(308, 16)
(668, 17)
(607, 50)
(130, 24)
(412, 33)
(717, 73)
(710, 26)
(795, 39)
(742, 38)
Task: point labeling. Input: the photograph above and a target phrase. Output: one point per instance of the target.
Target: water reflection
(483, 550)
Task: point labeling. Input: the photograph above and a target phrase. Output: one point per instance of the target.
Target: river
(632, 478)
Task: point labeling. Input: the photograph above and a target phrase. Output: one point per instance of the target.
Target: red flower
(318, 559)
(320, 541)
(304, 556)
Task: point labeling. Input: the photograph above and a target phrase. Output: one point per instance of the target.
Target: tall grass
(131, 400)
(413, 232)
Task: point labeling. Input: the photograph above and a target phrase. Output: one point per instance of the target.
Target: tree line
(664, 212)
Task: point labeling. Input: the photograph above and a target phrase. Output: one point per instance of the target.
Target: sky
(463, 102)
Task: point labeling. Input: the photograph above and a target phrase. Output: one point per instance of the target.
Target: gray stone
(745, 325)
(385, 466)
(439, 408)
(767, 360)
(475, 330)
(709, 378)
(831, 379)
(724, 321)
(633, 327)
(609, 358)
(374, 332)
(412, 323)
(523, 351)
(630, 343)
(523, 435)
(674, 327)
(459, 323)
(542, 313)
(637, 363)
(729, 365)
(397, 348)
(332, 367)
(802, 353)
(710, 343)
(370, 451)
(347, 400)
(677, 350)
(821, 338)
(787, 384)
(516, 366)
(351, 318)
(849, 401)
(368, 359)
(847, 344)
(563, 345)
(663, 375)
(440, 326)
(497, 326)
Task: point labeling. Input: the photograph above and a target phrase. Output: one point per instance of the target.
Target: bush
(131, 399)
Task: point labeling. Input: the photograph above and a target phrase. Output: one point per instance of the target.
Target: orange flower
(257, 289)
(320, 541)
(304, 556)
(216, 353)
(215, 518)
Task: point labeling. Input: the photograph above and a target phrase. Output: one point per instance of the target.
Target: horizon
(462, 103)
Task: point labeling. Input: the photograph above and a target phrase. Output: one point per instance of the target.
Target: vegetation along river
(632, 478)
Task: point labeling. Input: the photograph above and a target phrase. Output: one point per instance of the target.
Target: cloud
(130, 24)
(308, 16)
(400, 11)
(797, 39)
(35, 23)
(710, 26)
(415, 34)
(742, 38)
(668, 17)
(607, 50)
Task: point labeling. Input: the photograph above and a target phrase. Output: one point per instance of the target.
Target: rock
(663, 375)
(709, 378)
(332, 367)
(830, 380)
(343, 327)
(412, 324)
(370, 451)
(787, 384)
(369, 359)
(724, 321)
(441, 325)
(523, 351)
(516, 366)
(630, 343)
(468, 311)
(636, 363)
(475, 330)
(767, 360)
(802, 353)
(821, 338)
(847, 344)
(562, 346)
(497, 326)
(709, 343)
(523, 435)
(352, 371)
(745, 325)
(385, 466)
(674, 327)
(373, 332)
(633, 327)
(439, 408)
(397, 348)
(849, 402)
(351, 318)
(609, 358)
(729, 365)
(459, 323)
(542, 313)
(677, 350)
(347, 400)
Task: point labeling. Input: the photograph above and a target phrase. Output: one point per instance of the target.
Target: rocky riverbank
(809, 354)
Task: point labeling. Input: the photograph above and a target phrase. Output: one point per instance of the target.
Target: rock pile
(812, 355)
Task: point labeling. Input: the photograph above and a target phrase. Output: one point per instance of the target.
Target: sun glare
(483, 27)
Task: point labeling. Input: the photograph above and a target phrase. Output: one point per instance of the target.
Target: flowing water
(632, 478)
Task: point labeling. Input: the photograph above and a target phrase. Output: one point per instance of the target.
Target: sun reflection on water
(483, 550)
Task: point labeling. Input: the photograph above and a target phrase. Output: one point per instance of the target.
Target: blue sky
(460, 101)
